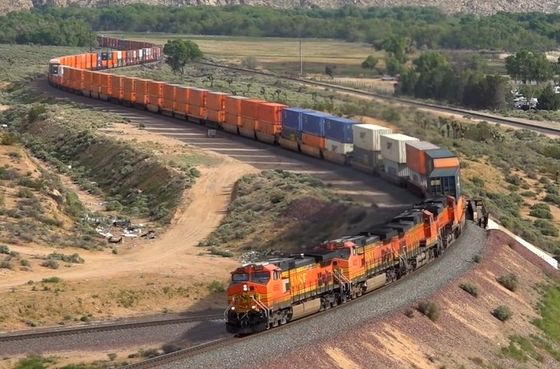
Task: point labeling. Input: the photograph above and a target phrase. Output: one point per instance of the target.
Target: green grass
(549, 309)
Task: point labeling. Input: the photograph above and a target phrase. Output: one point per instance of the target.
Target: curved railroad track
(543, 127)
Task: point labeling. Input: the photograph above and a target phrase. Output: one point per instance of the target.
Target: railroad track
(449, 109)
(105, 327)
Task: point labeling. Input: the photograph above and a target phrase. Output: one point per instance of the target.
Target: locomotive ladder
(344, 282)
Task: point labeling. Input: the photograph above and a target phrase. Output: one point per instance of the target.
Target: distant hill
(450, 6)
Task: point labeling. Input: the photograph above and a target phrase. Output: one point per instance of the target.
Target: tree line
(426, 27)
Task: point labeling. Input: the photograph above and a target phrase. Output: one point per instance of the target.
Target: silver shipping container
(367, 136)
(393, 147)
(338, 147)
(396, 169)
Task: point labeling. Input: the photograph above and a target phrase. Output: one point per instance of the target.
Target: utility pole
(300, 58)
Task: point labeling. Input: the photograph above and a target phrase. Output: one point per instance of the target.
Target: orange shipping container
(233, 105)
(250, 108)
(117, 89)
(88, 75)
(416, 155)
(216, 101)
(216, 116)
(446, 163)
(233, 119)
(269, 129)
(315, 141)
(155, 93)
(141, 90)
(95, 82)
(197, 111)
(198, 97)
(270, 113)
(181, 99)
(129, 89)
(105, 80)
(169, 97)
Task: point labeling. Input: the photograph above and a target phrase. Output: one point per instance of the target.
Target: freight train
(270, 293)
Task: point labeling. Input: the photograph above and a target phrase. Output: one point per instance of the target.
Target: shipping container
(393, 147)
(445, 182)
(105, 82)
(88, 75)
(117, 88)
(141, 91)
(233, 107)
(292, 118)
(370, 159)
(155, 95)
(216, 101)
(368, 136)
(181, 100)
(339, 129)
(168, 103)
(217, 116)
(313, 123)
(416, 155)
(291, 134)
(338, 147)
(270, 113)
(198, 97)
(418, 179)
(395, 169)
(313, 141)
(439, 159)
(129, 90)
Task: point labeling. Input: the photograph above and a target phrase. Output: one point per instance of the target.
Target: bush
(5, 265)
(74, 258)
(223, 253)
(553, 199)
(216, 286)
(53, 264)
(502, 313)
(170, 347)
(546, 227)
(4, 249)
(429, 309)
(477, 258)
(509, 281)
(540, 210)
(51, 280)
(469, 288)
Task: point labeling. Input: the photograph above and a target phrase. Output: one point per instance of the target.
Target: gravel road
(254, 351)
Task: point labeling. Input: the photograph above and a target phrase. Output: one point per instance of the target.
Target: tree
(529, 66)
(179, 53)
(548, 100)
(329, 71)
(397, 47)
(370, 62)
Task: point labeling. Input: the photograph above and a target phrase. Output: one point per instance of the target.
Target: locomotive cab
(252, 290)
(55, 71)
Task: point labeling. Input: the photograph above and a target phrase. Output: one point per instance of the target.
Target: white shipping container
(119, 55)
(393, 146)
(418, 179)
(396, 169)
(338, 147)
(367, 136)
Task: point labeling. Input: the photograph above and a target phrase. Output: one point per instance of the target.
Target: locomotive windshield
(261, 277)
(240, 277)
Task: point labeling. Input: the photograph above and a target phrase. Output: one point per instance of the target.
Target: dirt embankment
(464, 335)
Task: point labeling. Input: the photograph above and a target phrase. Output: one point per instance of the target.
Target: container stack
(169, 96)
(313, 133)
(105, 86)
(196, 109)
(443, 173)
(181, 101)
(155, 96)
(141, 90)
(129, 90)
(416, 162)
(338, 139)
(233, 114)
(249, 117)
(292, 125)
(117, 88)
(366, 156)
(216, 104)
(393, 150)
(269, 125)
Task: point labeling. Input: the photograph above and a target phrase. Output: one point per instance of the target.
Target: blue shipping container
(292, 118)
(339, 129)
(314, 123)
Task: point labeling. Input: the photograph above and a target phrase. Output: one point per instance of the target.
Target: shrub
(74, 258)
(429, 309)
(502, 313)
(477, 181)
(540, 210)
(24, 262)
(112, 356)
(546, 227)
(4, 249)
(5, 265)
(216, 286)
(469, 288)
(31, 362)
(170, 347)
(51, 280)
(53, 264)
(149, 353)
(529, 194)
(553, 199)
(509, 281)
(477, 258)
(223, 253)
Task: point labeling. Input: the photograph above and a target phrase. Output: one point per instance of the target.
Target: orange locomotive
(270, 293)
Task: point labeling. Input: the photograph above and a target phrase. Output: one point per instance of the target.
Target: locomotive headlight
(254, 307)
(233, 308)
(245, 288)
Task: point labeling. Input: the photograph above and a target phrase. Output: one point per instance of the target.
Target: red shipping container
(416, 155)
